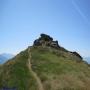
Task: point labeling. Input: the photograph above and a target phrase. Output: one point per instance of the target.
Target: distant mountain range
(87, 59)
(4, 57)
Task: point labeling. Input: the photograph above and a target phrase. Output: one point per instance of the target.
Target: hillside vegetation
(45, 66)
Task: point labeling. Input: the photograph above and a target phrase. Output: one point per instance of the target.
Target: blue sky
(22, 21)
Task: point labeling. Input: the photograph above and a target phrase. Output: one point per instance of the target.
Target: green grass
(57, 69)
(16, 74)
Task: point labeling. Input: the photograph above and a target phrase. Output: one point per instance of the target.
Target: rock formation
(46, 40)
(76, 54)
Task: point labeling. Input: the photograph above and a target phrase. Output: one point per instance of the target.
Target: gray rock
(46, 40)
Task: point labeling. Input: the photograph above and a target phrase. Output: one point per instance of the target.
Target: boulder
(46, 37)
(75, 53)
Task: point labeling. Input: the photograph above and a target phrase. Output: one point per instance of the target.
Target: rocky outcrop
(46, 40)
(76, 54)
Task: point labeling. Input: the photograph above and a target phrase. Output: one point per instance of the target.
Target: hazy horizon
(22, 21)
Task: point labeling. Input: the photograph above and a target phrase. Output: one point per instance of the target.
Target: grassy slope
(16, 74)
(57, 70)
(60, 70)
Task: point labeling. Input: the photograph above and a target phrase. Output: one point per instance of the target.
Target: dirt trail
(40, 86)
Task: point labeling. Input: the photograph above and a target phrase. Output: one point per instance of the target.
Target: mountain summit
(45, 66)
(46, 40)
